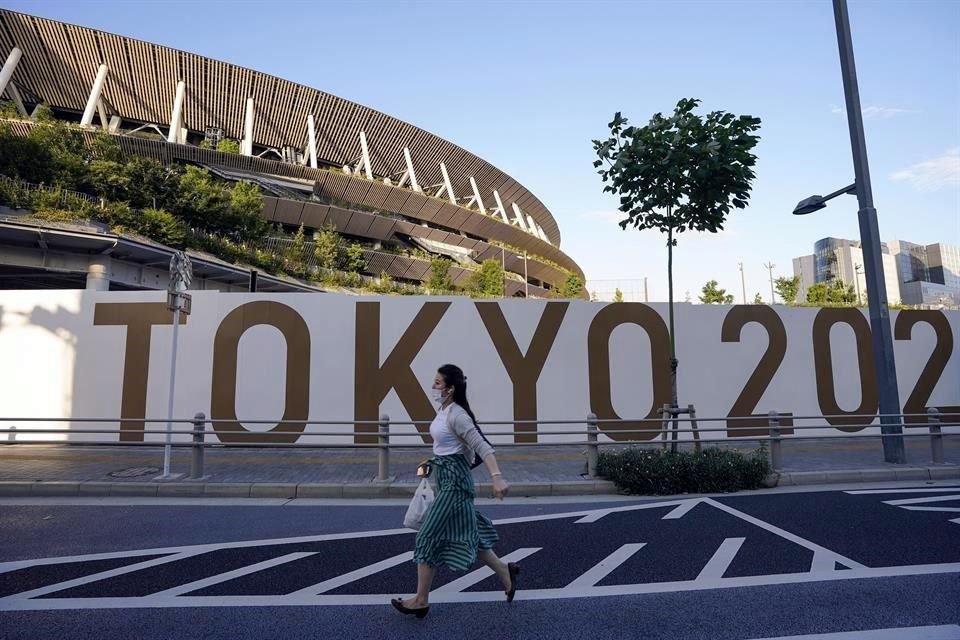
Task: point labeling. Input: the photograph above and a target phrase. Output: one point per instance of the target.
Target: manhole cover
(134, 472)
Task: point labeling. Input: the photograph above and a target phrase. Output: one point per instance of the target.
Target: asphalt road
(752, 565)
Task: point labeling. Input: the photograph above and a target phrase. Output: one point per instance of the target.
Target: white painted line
(722, 557)
(606, 566)
(941, 509)
(955, 521)
(355, 575)
(593, 516)
(682, 510)
(196, 585)
(806, 544)
(103, 575)
(864, 492)
(944, 632)
(898, 503)
(483, 573)
(822, 562)
(16, 604)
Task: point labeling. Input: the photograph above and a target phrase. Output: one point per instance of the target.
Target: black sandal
(420, 613)
(514, 570)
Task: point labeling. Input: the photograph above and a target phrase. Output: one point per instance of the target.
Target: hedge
(652, 471)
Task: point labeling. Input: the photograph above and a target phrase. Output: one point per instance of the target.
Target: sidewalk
(351, 473)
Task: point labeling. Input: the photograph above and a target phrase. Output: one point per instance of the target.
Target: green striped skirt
(453, 530)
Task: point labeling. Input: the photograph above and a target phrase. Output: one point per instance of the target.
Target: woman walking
(454, 533)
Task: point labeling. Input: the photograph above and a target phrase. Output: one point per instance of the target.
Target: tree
(326, 249)
(712, 295)
(571, 287)
(679, 173)
(487, 281)
(354, 259)
(618, 295)
(228, 145)
(787, 288)
(298, 247)
(757, 299)
(817, 294)
(439, 279)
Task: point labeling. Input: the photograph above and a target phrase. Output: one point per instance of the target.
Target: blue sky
(526, 85)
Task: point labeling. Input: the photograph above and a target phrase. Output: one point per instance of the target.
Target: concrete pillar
(410, 171)
(177, 115)
(98, 273)
(91, 108)
(312, 141)
(246, 148)
(9, 67)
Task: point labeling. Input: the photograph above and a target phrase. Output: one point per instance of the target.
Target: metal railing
(666, 429)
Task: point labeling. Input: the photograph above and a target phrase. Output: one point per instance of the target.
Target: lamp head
(811, 204)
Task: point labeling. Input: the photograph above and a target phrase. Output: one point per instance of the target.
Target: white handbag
(419, 506)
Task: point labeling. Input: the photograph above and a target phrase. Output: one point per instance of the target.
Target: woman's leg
(499, 567)
(424, 580)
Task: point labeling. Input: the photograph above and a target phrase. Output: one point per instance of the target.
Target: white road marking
(864, 492)
(825, 554)
(102, 575)
(19, 604)
(682, 510)
(606, 566)
(593, 516)
(230, 575)
(944, 632)
(354, 575)
(721, 559)
(941, 509)
(898, 503)
(483, 573)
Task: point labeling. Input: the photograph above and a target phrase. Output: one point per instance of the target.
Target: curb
(360, 490)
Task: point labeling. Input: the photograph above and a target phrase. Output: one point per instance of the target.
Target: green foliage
(326, 250)
(679, 173)
(787, 288)
(834, 293)
(618, 296)
(105, 147)
(384, 284)
(757, 299)
(298, 248)
(108, 179)
(572, 287)
(14, 194)
(439, 279)
(44, 114)
(487, 281)
(711, 294)
(652, 471)
(246, 204)
(162, 227)
(53, 215)
(228, 145)
(354, 259)
(9, 110)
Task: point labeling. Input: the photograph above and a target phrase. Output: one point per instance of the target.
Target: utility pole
(646, 298)
(743, 283)
(770, 267)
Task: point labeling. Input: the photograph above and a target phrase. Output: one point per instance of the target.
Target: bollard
(196, 461)
(692, 412)
(936, 440)
(12, 436)
(776, 454)
(593, 450)
(665, 426)
(383, 453)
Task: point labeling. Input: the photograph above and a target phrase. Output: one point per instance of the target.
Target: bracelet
(496, 474)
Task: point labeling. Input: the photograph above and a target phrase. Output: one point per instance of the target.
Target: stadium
(403, 198)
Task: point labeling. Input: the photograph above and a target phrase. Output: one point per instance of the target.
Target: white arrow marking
(472, 578)
(606, 566)
(722, 557)
(353, 576)
(898, 503)
(196, 585)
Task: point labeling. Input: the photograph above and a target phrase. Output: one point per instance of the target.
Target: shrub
(487, 281)
(354, 259)
(228, 145)
(646, 470)
(440, 275)
(162, 227)
(53, 215)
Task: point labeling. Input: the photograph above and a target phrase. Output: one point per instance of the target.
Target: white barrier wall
(296, 357)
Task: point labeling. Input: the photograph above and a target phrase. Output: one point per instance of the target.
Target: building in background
(914, 274)
(403, 194)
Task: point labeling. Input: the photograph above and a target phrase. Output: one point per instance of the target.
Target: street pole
(770, 267)
(856, 280)
(167, 448)
(743, 283)
(526, 281)
(882, 338)
(646, 298)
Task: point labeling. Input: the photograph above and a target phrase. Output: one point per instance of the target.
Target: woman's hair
(453, 376)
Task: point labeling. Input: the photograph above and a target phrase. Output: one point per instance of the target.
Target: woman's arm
(500, 485)
(467, 431)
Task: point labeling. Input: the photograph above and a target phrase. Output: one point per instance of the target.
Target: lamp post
(770, 267)
(857, 270)
(178, 301)
(743, 283)
(882, 338)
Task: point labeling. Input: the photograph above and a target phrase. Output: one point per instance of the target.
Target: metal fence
(664, 432)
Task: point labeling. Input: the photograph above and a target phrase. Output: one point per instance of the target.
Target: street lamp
(882, 338)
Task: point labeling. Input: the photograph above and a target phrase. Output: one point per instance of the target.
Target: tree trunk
(673, 342)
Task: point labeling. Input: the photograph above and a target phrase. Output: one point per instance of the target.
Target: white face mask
(439, 396)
